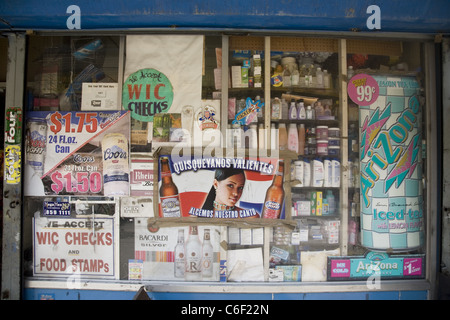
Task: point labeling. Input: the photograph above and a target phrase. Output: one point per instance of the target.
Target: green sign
(147, 92)
(13, 126)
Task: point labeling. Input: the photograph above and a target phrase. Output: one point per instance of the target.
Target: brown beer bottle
(275, 195)
(168, 192)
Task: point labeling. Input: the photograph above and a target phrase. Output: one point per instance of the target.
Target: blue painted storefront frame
(61, 294)
(414, 16)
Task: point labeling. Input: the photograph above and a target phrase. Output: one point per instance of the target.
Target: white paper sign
(100, 96)
(65, 247)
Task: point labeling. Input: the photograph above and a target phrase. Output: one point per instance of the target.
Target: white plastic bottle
(299, 165)
(293, 111)
(336, 173)
(309, 113)
(293, 137)
(306, 173)
(326, 79)
(273, 137)
(328, 173)
(301, 110)
(350, 72)
(319, 78)
(295, 77)
(317, 173)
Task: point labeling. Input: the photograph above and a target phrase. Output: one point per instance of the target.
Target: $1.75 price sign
(82, 121)
(363, 89)
(79, 173)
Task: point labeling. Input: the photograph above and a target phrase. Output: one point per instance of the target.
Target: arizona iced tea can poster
(390, 129)
(215, 187)
(77, 153)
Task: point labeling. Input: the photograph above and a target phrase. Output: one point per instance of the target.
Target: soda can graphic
(116, 176)
(36, 144)
(390, 128)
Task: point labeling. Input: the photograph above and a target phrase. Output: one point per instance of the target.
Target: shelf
(306, 91)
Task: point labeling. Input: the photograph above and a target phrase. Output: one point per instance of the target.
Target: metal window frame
(12, 274)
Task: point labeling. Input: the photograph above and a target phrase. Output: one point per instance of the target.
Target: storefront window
(143, 164)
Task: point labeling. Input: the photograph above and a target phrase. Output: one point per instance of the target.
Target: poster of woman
(226, 188)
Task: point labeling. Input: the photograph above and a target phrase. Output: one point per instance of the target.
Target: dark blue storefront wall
(60, 294)
(424, 16)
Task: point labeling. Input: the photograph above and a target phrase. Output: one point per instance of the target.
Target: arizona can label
(392, 215)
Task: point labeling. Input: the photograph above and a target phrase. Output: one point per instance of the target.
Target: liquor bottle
(179, 255)
(193, 269)
(207, 255)
(273, 202)
(168, 193)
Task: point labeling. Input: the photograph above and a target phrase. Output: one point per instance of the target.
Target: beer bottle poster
(216, 187)
(185, 253)
(392, 212)
(77, 153)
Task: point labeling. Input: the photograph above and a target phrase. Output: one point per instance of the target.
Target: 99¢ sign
(363, 89)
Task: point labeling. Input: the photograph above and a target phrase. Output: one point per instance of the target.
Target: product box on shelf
(291, 272)
(316, 203)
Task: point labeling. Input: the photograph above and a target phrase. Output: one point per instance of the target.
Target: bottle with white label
(319, 78)
(207, 255)
(317, 173)
(193, 270)
(293, 138)
(328, 173)
(293, 111)
(298, 165)
(276, 109)
(336, 167)
(326, 79)
(306, 173)
(179, 255)
(301, 110)
(309, 113)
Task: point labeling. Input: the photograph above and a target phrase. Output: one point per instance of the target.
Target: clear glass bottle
(180, 256)
(207, 255)
(193, 270)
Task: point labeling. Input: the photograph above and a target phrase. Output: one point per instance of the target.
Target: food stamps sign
(146, 93)
(74, 246)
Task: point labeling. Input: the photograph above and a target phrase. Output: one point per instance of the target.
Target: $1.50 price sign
(363, 89)
(77, 182)
(82, 121)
